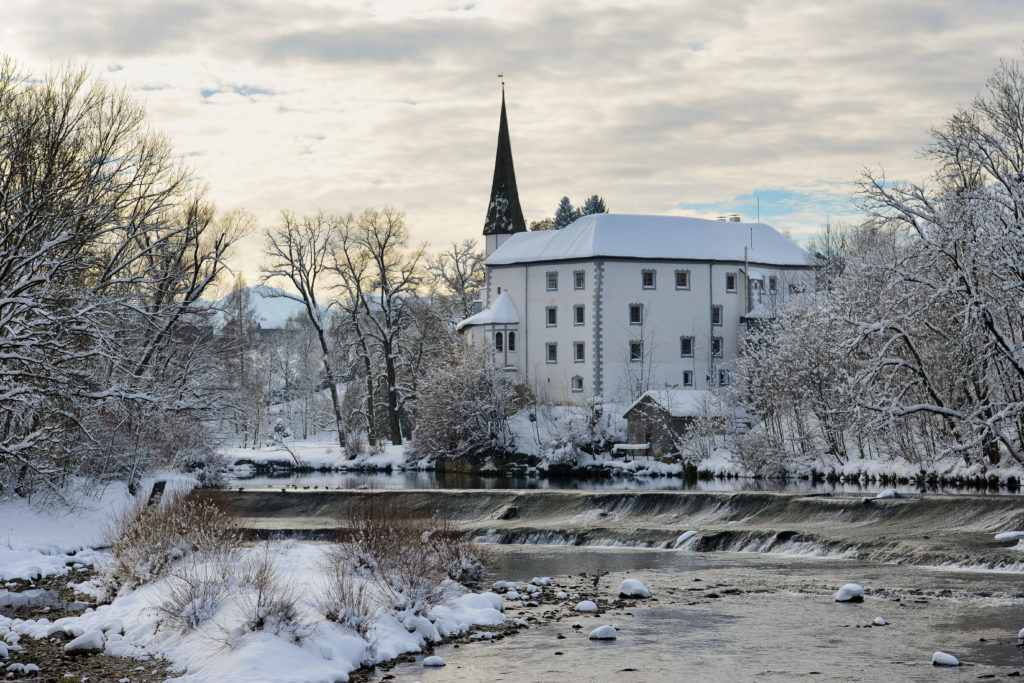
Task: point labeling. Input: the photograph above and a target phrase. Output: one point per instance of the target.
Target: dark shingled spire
(504, 214)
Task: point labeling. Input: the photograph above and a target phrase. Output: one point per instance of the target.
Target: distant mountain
(271, 311)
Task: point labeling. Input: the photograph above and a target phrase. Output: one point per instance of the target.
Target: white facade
(614, 305)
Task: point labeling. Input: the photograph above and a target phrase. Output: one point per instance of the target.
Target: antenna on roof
(502, 77)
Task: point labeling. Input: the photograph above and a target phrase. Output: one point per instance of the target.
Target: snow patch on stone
(631, 588)
(603, 633)
(944, 659)
(586, 606)
(851, 592)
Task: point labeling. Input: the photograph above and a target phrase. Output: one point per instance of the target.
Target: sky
(685, 107)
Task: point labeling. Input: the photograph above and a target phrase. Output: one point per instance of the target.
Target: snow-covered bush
(194, 589)
(268, 599)
(144, 540)
(417, 562)
(463, 405)
(347, 599)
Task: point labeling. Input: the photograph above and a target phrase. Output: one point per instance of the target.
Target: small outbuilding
(659, 419)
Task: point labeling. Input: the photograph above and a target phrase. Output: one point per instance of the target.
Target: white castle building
(613, 305)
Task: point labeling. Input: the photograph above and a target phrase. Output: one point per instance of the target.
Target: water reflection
(460, 480)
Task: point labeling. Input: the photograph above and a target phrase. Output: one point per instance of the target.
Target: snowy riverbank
(274, 611)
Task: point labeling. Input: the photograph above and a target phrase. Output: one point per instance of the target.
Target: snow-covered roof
(681, 402)
(759, 311)
(501, 312)
(652, 237)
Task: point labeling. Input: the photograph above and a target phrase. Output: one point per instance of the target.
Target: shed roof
(681, 402)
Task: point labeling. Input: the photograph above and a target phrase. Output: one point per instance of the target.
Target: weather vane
(502, 77)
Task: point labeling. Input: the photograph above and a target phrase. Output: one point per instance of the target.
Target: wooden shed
(659, 419)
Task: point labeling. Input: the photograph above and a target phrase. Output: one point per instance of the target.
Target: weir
(946, 530)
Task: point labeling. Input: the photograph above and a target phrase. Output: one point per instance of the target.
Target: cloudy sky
(687, 107)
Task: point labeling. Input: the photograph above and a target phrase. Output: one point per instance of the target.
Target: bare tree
(300, 250)
(106, 249)
(458, 272)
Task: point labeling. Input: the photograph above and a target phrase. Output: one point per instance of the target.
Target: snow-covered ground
(223, 645)
(319, 452)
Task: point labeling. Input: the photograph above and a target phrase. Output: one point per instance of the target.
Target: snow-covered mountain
(271, 311)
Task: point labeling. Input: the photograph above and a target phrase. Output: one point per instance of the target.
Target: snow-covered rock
(851, 592)
(888, 493)
(879, 621)
(586, 606)
(541, 581)
(1021, 634)
(631, 588)
(1008, 535)
(683, 538)
(944, 659)
(603, 633)
(512, 595)
(504, 586)
(496, 600)
(561, 595)
(87, 643)
(433, 660)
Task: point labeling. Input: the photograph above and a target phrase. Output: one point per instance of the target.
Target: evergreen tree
(565, 214)
(594, 204)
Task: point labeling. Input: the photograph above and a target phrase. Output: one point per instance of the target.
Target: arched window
(511, 341)
(499, 342)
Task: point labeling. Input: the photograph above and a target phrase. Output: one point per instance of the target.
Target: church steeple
(504, 214)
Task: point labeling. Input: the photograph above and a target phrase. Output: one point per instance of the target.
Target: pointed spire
(504, 214)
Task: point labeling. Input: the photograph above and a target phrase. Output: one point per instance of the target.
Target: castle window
(716, 315)
(647, 279)
(579, 279)
(578, 352)
(636, 314)
(723, 378)
(551, 352)
(511, 341)
(552, 280)
(716, 347)
(773, 284)
(551, 316)
(686, 347)
(499, 341)
(682, 279)
(577, 314)
(577, 384)
(730, 282)
(687, 378)
(636, 351)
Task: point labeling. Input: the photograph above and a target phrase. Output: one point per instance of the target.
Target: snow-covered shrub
(267, 598)
(194, 590)
(144, 540)
(417, 562)
(347, 599)
(463, 405)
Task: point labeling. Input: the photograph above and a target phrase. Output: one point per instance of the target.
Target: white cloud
(343, 106)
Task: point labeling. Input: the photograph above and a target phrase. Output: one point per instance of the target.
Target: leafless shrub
(268, 600)
(194, 590)
(346, 599)
(145, 540)
(416, 560)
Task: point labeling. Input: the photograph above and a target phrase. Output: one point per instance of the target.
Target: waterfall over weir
(946, 530)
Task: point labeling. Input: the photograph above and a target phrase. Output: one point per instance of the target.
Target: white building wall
(611, 286)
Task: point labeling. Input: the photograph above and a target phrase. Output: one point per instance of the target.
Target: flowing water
(749, 596)
(744, 617)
